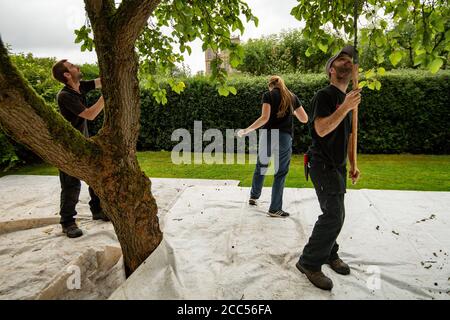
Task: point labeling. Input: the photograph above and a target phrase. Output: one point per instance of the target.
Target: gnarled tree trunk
(107, 162)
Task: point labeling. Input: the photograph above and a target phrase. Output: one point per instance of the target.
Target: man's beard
(343, 73)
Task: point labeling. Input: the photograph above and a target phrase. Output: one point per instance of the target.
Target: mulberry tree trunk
(107, 162)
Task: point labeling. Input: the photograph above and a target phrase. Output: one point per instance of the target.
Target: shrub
(410, 114)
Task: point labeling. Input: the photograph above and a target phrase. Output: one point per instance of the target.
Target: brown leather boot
(100, 216)
(339, 266)
(317, 278)
(72, 231)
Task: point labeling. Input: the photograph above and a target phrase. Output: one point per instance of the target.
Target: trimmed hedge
(410, 114)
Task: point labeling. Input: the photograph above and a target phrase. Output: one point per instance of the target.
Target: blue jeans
(282, 151)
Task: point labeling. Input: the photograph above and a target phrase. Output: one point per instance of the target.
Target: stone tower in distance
(224, 55)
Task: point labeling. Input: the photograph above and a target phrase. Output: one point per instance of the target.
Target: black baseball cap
(349, 50)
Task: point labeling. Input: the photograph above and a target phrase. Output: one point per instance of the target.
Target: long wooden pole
(355, 75)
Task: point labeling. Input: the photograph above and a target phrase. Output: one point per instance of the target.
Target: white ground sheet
(37, 261)
(218, 247)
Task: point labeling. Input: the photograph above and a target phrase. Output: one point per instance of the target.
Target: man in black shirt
(331, 135)
(72, 105)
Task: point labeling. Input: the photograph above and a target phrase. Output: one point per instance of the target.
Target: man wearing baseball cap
(330, 129)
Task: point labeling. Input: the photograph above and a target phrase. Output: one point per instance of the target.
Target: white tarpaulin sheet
(37, 261)
(216, 246)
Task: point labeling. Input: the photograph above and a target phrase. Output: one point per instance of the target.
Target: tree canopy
(383, 24)
(173, 26)
(391, 33)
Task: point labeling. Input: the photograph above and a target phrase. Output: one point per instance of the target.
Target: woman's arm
(262, 120)
(301, 115)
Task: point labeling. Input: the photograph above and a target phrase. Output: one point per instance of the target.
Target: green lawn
(390, 172)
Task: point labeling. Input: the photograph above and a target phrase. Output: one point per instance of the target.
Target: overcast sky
(45, 27)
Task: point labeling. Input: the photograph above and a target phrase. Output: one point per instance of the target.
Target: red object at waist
(305, 159)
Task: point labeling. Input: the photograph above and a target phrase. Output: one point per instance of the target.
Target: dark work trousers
(282, 151)
(70, 193)
(330, 185)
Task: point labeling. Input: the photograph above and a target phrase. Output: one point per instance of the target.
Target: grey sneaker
(252, 202)
(278, 214)
(72, 231)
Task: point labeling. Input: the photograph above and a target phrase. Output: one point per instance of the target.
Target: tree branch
(99, 8)
(115, 34)
(437, 42)
(131, 18)
(26, 117)
(99, 13)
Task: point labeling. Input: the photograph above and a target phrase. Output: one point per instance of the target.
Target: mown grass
(389, 172)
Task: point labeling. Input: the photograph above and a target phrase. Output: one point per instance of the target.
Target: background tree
(287, 52)
(37, 71)
(107, 161)
(38, 74)
(426, 22)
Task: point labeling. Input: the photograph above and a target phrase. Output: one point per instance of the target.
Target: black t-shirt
(332, 148)
(72, 103)
(284, 123)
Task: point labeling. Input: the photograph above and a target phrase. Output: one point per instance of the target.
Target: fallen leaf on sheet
(425, 219)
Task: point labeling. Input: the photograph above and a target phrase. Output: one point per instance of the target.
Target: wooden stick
(354, 140)
(355, 75)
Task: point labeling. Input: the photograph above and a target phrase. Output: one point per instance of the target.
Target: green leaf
(235, 61)
(420, 59)
(395, 57)
(380, 56)
(323, 47)
(370, 74)
(371, 85)
(447, 35)
(381, 71)
(377, 85)
(223, 91)
(308, 52)
(296, 12)
(380, 59)
(435, 65)
(256, 21)
(232, 90)
(437, 22)
(380, 41)
(402, 9)
(78, 39)
(362, 84)
(420, 51)
(178, 87)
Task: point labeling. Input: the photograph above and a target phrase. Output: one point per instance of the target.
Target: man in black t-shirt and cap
(330, 128)
(73, 107)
